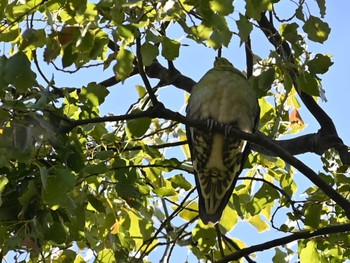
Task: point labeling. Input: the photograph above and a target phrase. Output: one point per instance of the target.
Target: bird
(224, 97)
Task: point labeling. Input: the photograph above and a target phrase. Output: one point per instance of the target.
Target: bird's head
(222, 63)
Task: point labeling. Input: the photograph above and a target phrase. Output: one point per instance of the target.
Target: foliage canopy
(74, 182)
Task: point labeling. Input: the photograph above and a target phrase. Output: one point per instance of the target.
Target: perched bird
(223, 96)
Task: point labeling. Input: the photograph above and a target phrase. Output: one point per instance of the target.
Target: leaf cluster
(75, 183)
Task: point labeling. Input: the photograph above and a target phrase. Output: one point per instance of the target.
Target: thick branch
(314, 143)
(285, 240)
(267, 143)
(160, 112)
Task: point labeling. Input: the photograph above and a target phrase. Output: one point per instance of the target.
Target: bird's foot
(228, 129)
(211, 124)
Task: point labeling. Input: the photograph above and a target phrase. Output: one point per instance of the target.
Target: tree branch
(326, 123)
(259, 139)
(267, 143)
(143, 74)
(285, 240)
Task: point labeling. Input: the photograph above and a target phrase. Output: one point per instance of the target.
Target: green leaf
(165, 191)
(17, 72)
(290, 32)
(58, 182)
(141, 91)
(94, 94)
(56, 233)
(136, 128)
(254, 8)
(124, 65)
(9, 33)
(30, 192)
(223, 7)
(106, 256)
(265, 196)
(3, 182)
(126, 33)
(99, 168)
(266, 80)
(322, 6)
(316, 29)
(69, 56)
(308, 84)
(170, 48)
(299, 13)
(179, 180)
(279, 256)
(68, 256)
(309, 254)
(96, 203)
(33, 39)
(244, 28)
(320, 64)
(104, 155)
(140, 228)
(313, 215)
(148, 52)
(204, 236)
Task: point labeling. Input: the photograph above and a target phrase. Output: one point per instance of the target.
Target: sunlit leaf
(313, 215)
(204, 236)
(190, 211)
(95, 94)
(309, 254)
(290, 32)
(179, 180)
(229, 218)
(259, 223)
(316, 29)
(224, 7)
(106, 256)
(124, 65)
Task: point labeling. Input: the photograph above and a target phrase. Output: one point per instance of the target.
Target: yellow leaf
(259, 223)
(190, 212)
(309, 254)
(229, 218)
(115, 228)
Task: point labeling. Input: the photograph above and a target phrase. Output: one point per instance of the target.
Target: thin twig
(143, 74)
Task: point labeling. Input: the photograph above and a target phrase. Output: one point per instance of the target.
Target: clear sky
(195, 60)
